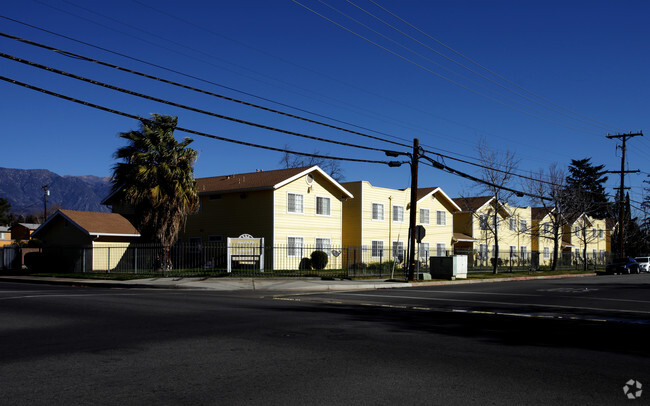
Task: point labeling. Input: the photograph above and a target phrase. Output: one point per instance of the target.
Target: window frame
(401, 211)
(377, 248)
(329, 206)
(302, 203)
(444, 218)
(423, 218)
(291, 247)
(372, 211)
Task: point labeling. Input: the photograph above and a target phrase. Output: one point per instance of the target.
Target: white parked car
(644, 264)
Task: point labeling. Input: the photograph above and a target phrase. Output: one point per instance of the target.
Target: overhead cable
(203, 134)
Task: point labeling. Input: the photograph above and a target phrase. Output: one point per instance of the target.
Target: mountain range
(24, 190)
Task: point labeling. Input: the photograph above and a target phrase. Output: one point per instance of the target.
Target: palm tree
(156, 178)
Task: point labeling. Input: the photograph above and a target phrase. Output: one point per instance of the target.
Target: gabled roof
(538, 213)
(95, 223)
(475, 204)
(574, 217)
(260, 180)
(426, 192)
(472, 203)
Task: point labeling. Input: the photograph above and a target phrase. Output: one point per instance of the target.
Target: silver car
(644, 264)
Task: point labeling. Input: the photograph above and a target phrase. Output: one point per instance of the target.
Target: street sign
(420, 232)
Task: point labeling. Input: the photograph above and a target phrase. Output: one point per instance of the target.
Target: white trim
(309, 170)
(420, 209)
(383, 211)
(329, 206)
(444, 212)
(382, 248)
(392, 215)
(302, 203)
(302, 246)
(438, 190)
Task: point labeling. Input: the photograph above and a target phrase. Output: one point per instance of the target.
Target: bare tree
(549, 196)
(497, 172)
(331, 166)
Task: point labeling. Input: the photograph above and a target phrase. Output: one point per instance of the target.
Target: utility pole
(46, 193)
(414, 198)
(621, 211)
(415, 158)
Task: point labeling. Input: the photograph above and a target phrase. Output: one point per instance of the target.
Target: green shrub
(319, 260)
(305, 264)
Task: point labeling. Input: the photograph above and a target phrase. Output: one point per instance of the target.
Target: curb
(249, 284)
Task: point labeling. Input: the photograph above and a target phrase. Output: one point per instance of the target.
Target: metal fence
(211, 259)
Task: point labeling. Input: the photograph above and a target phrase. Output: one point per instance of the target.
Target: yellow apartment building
(295, 211)
(376, 222)
(475, 229)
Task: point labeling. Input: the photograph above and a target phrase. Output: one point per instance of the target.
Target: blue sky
(584, 63)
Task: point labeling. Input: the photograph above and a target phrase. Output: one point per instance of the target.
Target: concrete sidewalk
(258, 284)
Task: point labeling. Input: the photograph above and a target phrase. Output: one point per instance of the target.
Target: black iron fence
(217, 259)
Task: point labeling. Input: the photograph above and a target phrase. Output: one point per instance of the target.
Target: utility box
(454, 267)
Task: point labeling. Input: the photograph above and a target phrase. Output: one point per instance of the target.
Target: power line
(203, 134)
(438, 74)
(485, 68)
(82, 57)
(240, 91)
(194, 77)
(67, 53)
(446, 57)
(159, 100)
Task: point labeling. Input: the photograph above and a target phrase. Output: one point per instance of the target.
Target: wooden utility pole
(414, 197)
(45, 194)
(621, 211)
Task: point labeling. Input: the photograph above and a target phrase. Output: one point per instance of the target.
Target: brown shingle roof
(538, 213)
(97, 223)
(246, 181)
(472, 203)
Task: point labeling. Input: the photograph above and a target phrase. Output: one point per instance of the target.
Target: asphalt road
(623, 298)
(68, 345)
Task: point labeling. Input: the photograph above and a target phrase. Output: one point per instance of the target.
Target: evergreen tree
(585, 185)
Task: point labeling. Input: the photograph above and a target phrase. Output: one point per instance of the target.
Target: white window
(601, 234)
(294, 203)
(577, 252)
(513, 224)
(398, 214)
(576, 229)
(594, 233)
(376, 249)
(424, 250)
(441, 251)
(323, 244)
(523, 225)
(2, 236)
(424, 216)
(523, 252)
(322, 206)
(496, 223)
(513, 251)
(441, 218)
(483, 222)
(547, 228)
(294, 246)
(377, 211)
(547, 253)
(398, 249)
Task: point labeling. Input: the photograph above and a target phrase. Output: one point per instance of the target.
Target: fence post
(135, 260)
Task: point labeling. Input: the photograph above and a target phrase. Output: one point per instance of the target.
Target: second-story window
(377, 211)
(483, 221)
(398, 214)
(523, 226)
(441, 218)
(513, 224)
(323, 206)
(424, 216)
(294, 203)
